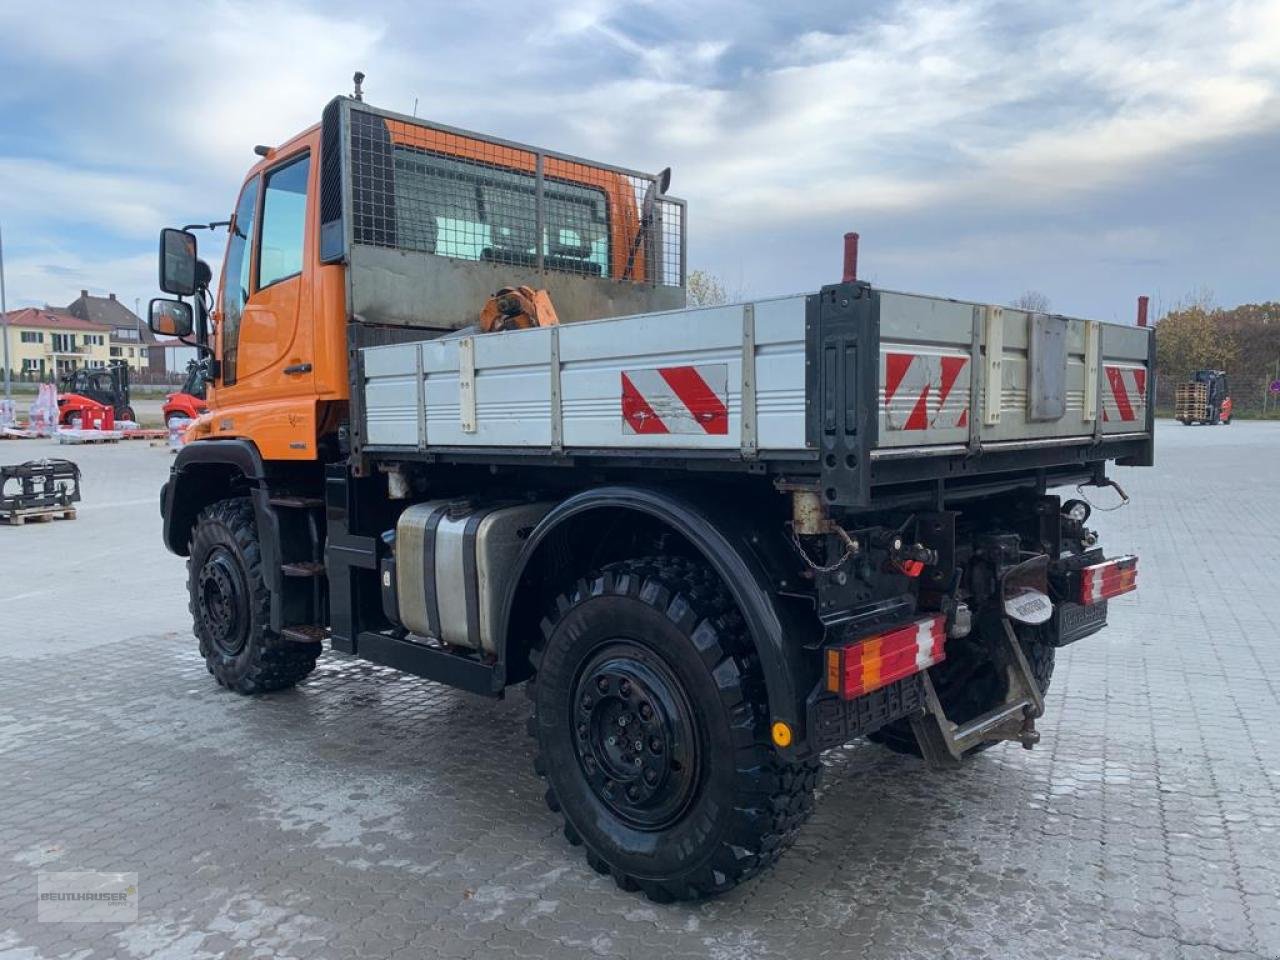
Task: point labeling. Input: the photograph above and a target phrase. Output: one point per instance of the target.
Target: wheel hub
(223, 602)
(634, 736)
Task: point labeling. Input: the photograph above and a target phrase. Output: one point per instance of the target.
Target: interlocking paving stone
(370, 814)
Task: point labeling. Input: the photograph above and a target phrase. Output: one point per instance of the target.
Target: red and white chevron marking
(1125, 398)
(692, 399)
(925, 391)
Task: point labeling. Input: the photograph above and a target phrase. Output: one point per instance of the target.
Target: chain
(850, 548)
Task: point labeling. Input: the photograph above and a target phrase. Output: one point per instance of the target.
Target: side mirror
(177, 262)
(169, 318)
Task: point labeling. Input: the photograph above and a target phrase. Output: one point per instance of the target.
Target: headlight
(1077, 510)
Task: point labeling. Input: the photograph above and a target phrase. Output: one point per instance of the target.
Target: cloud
(934, 125)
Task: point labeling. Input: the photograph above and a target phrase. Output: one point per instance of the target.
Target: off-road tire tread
(775, 796)
(276, 663)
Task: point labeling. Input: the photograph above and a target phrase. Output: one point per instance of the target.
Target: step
(304, 633)
(306, 568)
(296, 502)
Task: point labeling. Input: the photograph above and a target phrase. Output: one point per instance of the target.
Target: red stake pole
(850, 257)
(1142, 310)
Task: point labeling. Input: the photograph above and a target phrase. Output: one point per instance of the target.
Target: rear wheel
(969, 683)
(231, 605)
(128, 414)
(650, 717)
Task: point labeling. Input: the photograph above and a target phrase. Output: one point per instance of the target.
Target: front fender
(734, 543)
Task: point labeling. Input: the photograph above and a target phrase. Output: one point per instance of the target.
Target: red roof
(34, 317)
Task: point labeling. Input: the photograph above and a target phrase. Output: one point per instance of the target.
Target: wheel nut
(587, 701)
(603, 684)
(624, 720)
(650, 777)
(582, 729)
(633, 793)
(639, 745)
(655, 745)
(624, 688)
(608, 787)
(646, 712)
(611, 741)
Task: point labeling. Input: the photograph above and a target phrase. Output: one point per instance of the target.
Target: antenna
(358, 79)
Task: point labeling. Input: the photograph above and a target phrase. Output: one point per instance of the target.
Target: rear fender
(735, 543)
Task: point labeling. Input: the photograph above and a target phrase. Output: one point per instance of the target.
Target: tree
(1193, 338)
(1032, 301)
(703, 289)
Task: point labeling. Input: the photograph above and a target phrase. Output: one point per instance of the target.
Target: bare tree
(1032, 301)
(703, 289)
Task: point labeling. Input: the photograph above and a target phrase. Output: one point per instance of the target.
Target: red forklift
(1205, 399)
(87, 393)
(188, 402)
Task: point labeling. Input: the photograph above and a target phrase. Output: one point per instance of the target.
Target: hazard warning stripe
(1126, 397)
(636, 412)
(683, 399)
(923, 387)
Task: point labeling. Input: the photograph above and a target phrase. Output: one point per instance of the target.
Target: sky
(981, 148)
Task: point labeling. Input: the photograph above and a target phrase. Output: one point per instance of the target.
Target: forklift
(1205, 399)
(90, 390)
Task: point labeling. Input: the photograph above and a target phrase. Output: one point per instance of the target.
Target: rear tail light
(1103, 581)
(854, 669)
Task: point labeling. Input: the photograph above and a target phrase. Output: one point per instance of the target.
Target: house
(48, 342)
(174, 354)
(131, 339)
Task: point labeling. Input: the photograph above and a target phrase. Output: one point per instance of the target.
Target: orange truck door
(270, 337)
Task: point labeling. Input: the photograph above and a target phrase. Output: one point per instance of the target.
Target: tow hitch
(943, 743)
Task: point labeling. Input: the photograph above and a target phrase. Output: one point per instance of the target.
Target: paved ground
(372, 815)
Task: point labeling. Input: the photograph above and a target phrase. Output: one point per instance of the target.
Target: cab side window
(284, 208)
(235, 280)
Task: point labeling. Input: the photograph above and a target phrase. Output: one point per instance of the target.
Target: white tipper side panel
(926, 391)
(513, 383)
(391, 395)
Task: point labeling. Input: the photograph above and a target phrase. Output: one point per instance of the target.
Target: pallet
(16, 518)
(89, 436)
(141, 434)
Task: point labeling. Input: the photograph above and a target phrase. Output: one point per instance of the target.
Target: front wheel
(650, 717)
(231, 605)
(128, 414)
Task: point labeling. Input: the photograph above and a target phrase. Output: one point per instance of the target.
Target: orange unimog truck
(712, 543)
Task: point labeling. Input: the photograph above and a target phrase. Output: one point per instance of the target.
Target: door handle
(298, 368)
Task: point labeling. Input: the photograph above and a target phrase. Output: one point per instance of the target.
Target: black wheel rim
(635, 735)
(223, 602)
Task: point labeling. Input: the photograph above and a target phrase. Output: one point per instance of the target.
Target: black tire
(231, 605)
(1226, 422)
(659, 641)
(128, 414)
(969, 684)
